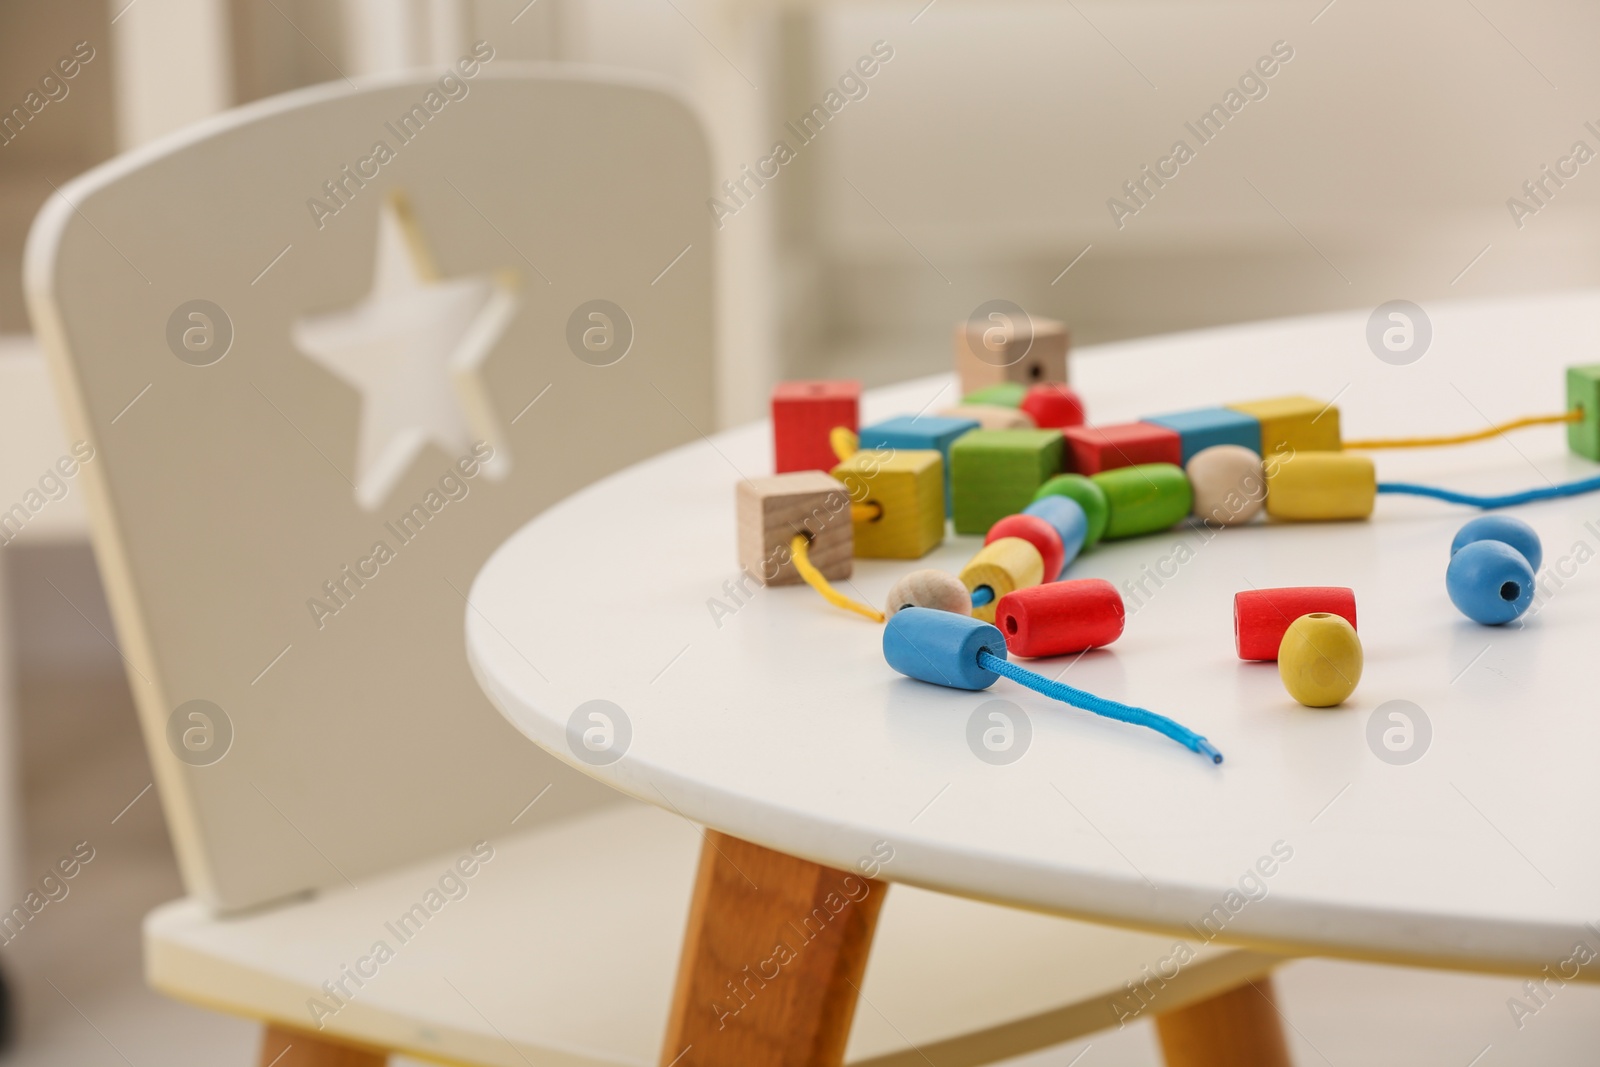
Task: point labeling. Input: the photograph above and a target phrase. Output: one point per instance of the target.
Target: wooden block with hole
(908, 487)
(772, 510)
(804, 414)
(990, 353)
(994, 473)
(1291, 424)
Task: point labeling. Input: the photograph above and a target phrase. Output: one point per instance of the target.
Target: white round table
(771, 716)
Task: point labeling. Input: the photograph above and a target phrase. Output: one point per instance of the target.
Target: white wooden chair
(287, 352)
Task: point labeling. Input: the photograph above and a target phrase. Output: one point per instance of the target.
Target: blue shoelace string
(1111, 709)
(1506, 500)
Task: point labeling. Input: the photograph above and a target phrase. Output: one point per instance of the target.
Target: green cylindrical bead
(1144, 499)
(1089, 496)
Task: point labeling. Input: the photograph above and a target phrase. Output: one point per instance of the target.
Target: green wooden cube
(994, 473)
(1583, 391)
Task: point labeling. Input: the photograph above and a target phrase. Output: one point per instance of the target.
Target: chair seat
(562, 949)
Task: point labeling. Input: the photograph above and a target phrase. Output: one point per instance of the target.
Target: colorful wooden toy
(1053, 405)
(989, 417)
(1229, 484)
(1209, 427)
(1038, 533)
(1321, 486)
(1004, 351)
(961, 652)
(994, 473)
(1068, 520)
(1512, 531)
(1490, 582)
(1144, 499)
(772, 510)
(1088, 496)
(1060, 618)
(1000, 395)
(1102, 448)
(1320, 660)
(908, 487)
(1583, 394)
(804, 414)
(1293, 424)
(919, 432)
(928, 588)
(1262, 616)
(999, 568)
(941, 647)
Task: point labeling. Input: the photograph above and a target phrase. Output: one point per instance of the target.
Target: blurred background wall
(980, 160)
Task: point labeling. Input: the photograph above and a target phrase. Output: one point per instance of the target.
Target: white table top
(784, 726)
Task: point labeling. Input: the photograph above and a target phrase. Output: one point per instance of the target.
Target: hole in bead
(1036, 372)
(1011, 624)
(1319, 615)
(1510, 591)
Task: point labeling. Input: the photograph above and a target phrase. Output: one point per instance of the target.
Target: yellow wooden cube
(1292, 424)
(908, 487)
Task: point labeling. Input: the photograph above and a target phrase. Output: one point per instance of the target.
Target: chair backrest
(324, 354)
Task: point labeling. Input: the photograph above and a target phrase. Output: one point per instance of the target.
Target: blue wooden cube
(916, 433)
(1205, 427)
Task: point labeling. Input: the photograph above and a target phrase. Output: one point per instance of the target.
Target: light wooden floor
(77, 969)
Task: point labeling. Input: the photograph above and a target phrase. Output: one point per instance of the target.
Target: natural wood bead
(990, 417)
(1229, 484)
(928, 588)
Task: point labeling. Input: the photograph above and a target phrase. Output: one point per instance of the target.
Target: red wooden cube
(1128, 444)
(804, 414)
(1053, 405)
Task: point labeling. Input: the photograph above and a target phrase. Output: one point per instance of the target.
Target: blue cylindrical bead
(1069, 520)
(941, 647)
(1512, 531)
(1490, 582)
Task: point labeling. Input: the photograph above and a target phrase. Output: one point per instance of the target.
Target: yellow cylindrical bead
(1004, 564)
(1320, 659)
(1317, 486)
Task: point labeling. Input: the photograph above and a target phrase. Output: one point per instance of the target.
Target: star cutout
(413, 348)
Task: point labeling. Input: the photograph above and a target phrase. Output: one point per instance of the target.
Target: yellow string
(815, 580)
(844, 441)
(871, 511)
(1575, 415)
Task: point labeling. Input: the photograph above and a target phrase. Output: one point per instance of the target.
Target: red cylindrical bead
(1039, 534)
(1053, 405)
(1261, 616)
(1057, 618)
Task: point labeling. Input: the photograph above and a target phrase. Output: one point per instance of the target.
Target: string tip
(1206, 748)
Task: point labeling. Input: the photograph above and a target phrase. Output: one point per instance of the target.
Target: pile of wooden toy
(1017, 462)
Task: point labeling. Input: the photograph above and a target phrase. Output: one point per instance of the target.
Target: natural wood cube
(772, 510)
(989, 353)
(908, 487)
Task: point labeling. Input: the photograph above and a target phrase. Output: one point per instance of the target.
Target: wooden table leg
(1239, 1028)
(281, 1047)
(772, 960)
